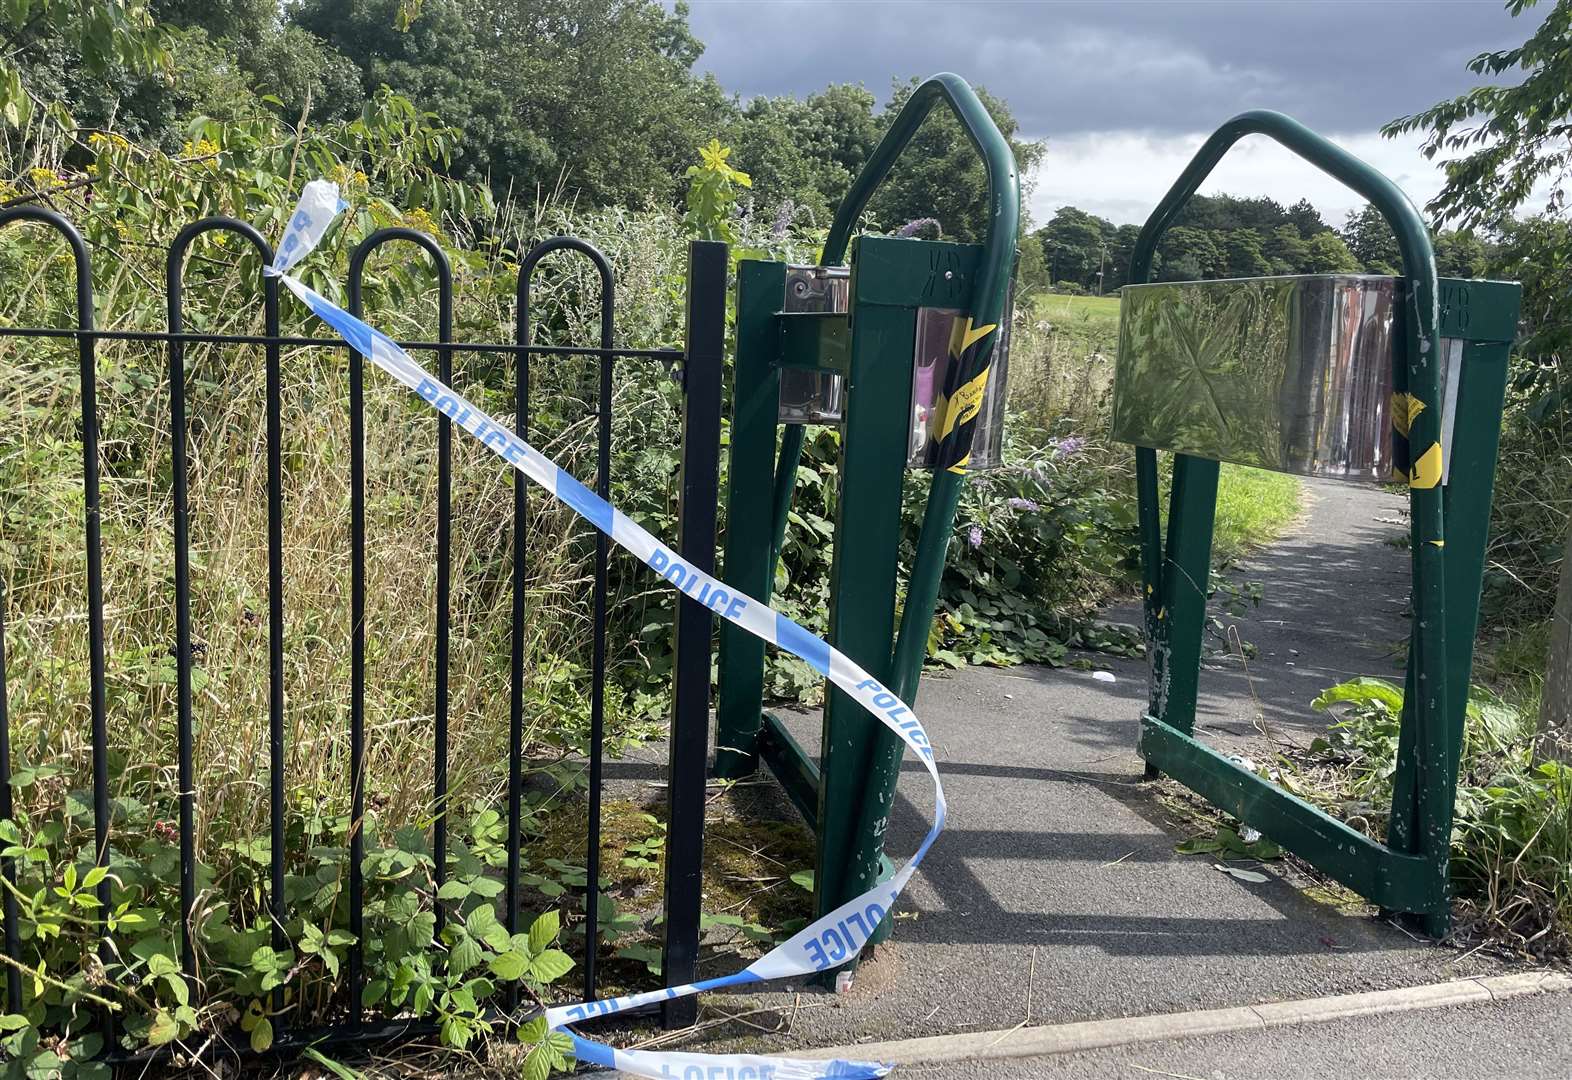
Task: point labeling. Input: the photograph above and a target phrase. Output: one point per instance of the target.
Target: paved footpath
(1521, 1039)
(1056, 895)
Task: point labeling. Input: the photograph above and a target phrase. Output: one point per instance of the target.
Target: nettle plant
(434, 954)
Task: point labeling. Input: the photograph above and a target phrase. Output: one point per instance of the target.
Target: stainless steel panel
(817, 289)
(814, 397)
(1286, 373)
(930, 366)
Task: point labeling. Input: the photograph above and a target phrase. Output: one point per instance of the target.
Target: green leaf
(551, 965)
(422, 929)
(480, 920)
(16, 1022)
(161, 964)
(1364, 690)
(509, 966)
(533, 1031)
(803, 879)
(486, 886)
(163, 1030)
(373, 992)
(537, 1065)
(44, 1065)
(343, 1072)
(253, 1016)
(178, 988)
(645, 953)
(562, 1043)
(262, 1035)
(265, 959)
(465, 954)
(543, 931)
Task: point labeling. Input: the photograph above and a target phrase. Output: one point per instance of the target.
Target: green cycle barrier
(1354, 377)
(904, 352)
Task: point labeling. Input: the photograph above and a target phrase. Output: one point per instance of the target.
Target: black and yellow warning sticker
(1424, 471)
(955, 413)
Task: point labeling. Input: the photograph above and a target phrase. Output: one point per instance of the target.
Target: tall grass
(42, 556)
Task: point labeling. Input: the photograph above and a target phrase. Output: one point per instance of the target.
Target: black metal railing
(700, 365)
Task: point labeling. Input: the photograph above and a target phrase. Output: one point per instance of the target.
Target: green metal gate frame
(1448, 531)
(872, 347)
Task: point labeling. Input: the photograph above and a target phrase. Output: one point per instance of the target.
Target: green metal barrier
(871, 345)
(1410, 872)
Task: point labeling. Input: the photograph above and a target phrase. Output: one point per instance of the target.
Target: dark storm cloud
(1163, 67)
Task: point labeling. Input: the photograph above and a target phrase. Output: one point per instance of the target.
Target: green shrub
(1512, 833)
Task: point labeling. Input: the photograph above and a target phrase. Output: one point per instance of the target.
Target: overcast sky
(1125, 90)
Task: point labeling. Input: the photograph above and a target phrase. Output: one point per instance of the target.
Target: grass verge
(1254, 507)
(1512, 828)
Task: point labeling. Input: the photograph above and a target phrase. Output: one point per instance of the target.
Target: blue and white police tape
(823, 944)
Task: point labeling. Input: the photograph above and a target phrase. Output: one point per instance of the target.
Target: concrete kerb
(1025, 1041)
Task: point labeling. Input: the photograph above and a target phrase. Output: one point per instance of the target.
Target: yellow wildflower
(419, 219)
(202, 148)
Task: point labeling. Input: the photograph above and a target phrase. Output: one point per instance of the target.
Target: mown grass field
(1064, 307)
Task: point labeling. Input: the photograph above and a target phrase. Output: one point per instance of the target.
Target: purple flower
(927, 228)
(783, 216)
(1072, 445)
(1021, 504)
(974, 536)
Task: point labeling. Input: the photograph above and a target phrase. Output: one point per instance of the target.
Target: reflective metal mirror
(936, 328)
(1286, 373)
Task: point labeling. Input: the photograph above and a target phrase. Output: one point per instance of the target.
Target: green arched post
(848, 796)
(988, 303)
(1175, 573)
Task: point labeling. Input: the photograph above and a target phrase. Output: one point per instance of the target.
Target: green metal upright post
(1181, 596)
(755, 397)
(863, 581)
(1480, 318)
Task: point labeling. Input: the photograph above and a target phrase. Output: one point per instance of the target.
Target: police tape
(825, 943)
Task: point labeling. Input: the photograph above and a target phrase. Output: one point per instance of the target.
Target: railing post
(689, 741)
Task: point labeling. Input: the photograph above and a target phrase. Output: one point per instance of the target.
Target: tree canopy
(595, 101)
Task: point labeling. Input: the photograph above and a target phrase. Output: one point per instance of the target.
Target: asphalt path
(1056, 894)
(1520, 1039)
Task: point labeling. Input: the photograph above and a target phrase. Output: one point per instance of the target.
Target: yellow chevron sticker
(963, 336)
(1438, 543)
(1405, 410)
(965, 404)
(960, 466)
(1427, 470)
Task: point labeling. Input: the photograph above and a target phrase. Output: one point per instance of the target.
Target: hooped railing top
(98, 701)
(86, 335)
